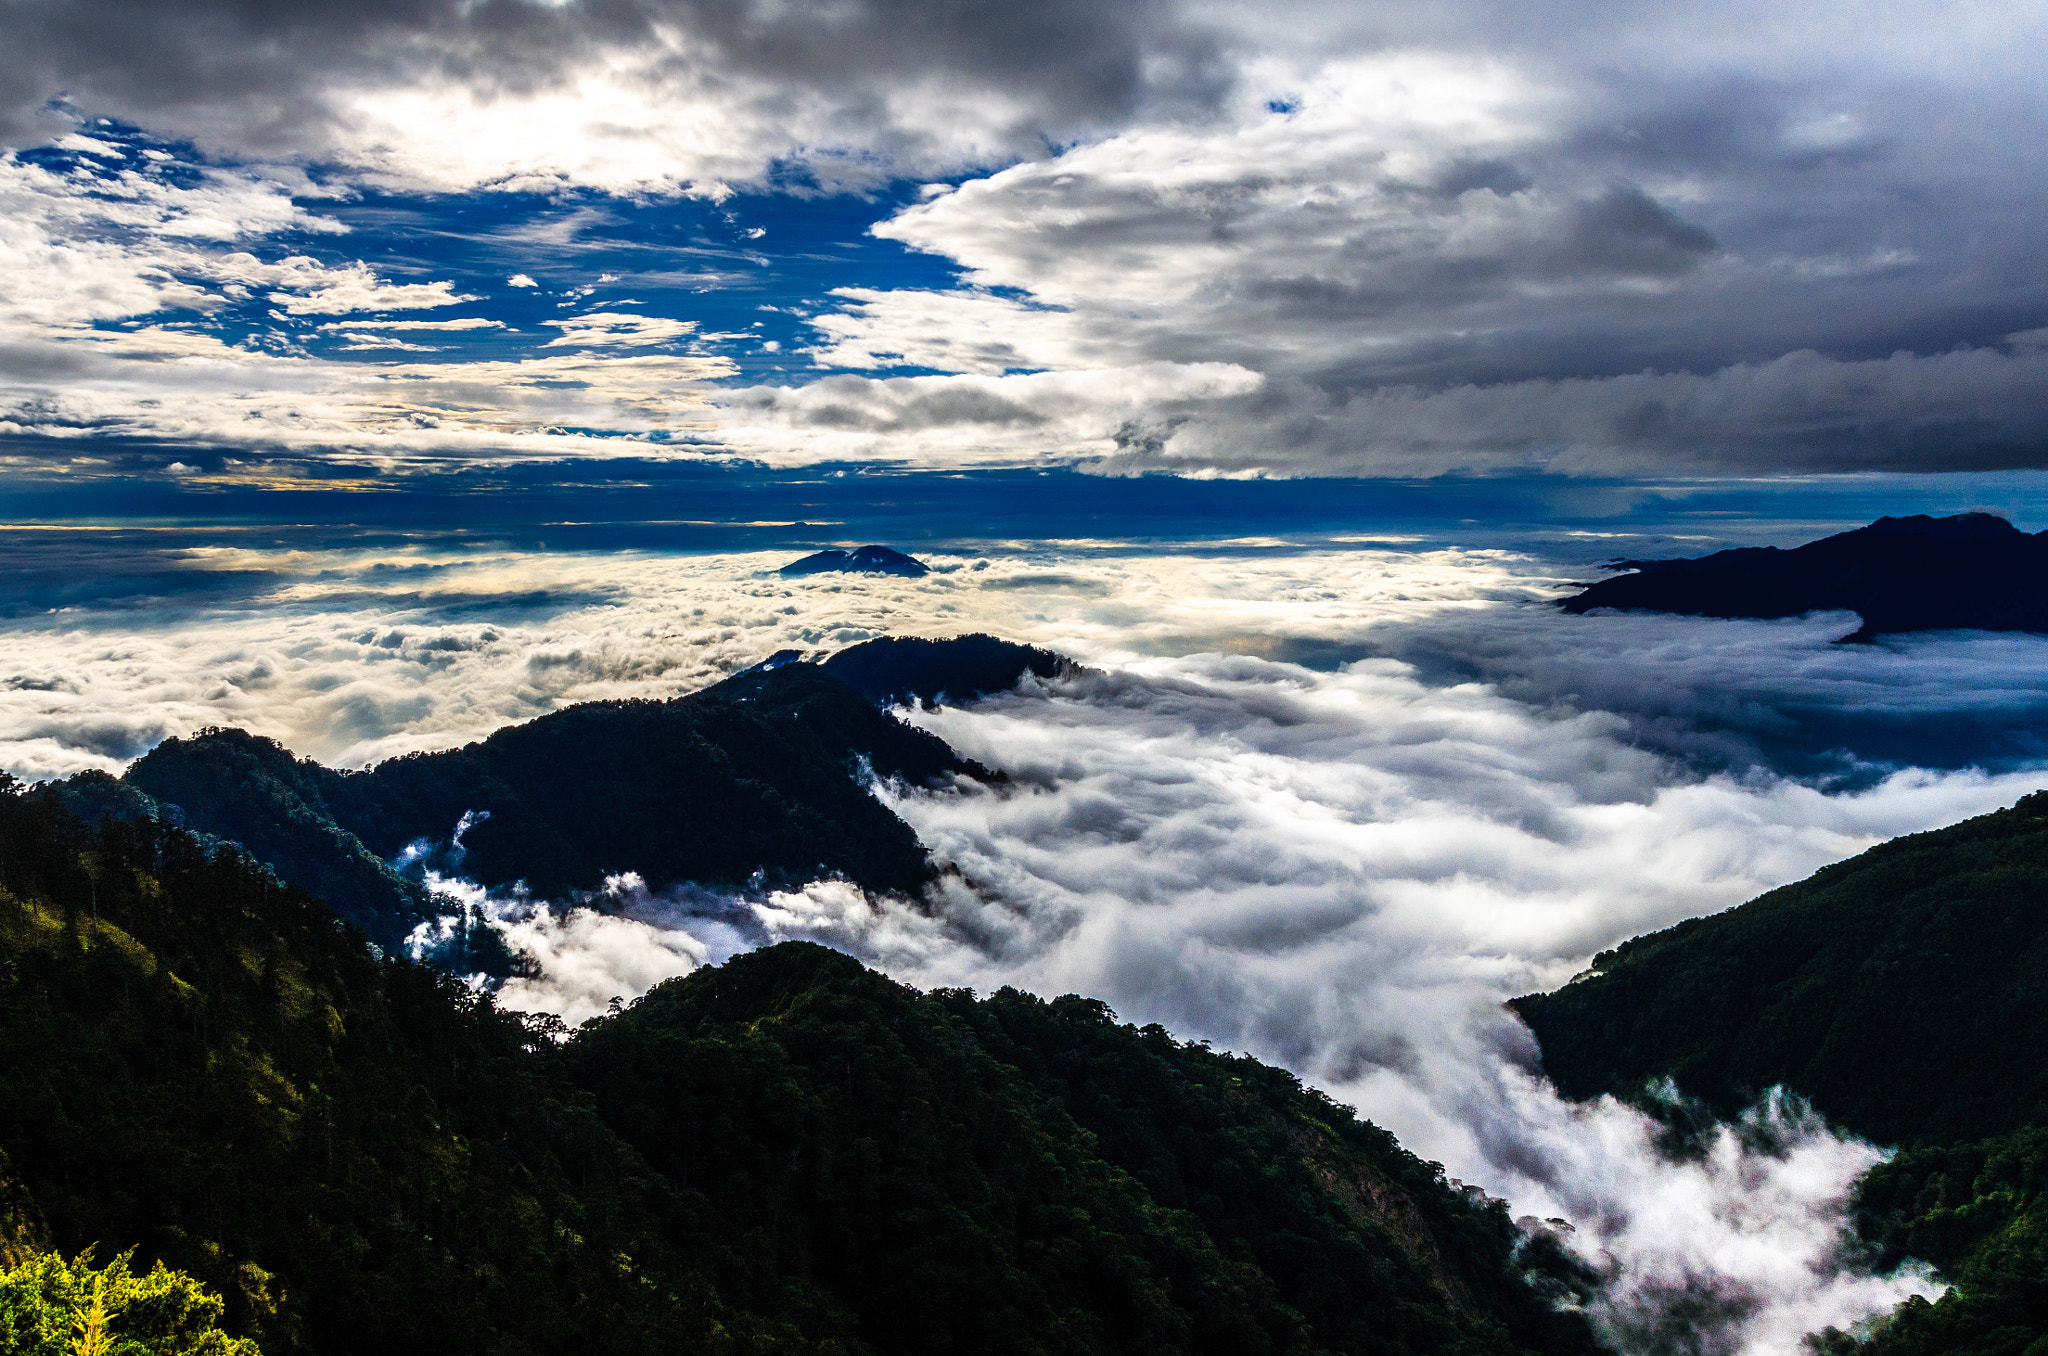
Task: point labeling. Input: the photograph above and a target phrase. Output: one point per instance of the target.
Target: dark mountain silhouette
(1900, 990)
(908, 669)
(787, 1154)
(1974, 570)
(1905, 992)
(860, 560)
(762, 773)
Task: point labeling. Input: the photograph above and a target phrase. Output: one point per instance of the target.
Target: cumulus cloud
(617, 329)
(664, 94)
(470, 323)
(1435, 238)
(144, 247)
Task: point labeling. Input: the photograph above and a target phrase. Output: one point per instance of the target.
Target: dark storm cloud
(1285, 239)
(265, 77)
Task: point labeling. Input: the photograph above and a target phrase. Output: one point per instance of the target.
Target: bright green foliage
(784, 1154)
(357, 1155)
(51, 1306)
(1979, 1212)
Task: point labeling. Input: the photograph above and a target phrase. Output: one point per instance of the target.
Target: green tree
(54, 1306)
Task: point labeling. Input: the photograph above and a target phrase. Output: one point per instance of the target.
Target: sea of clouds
(1327, 803)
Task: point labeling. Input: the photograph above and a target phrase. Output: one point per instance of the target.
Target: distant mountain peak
(1960, 525)
(1972, 571)
(869, 559)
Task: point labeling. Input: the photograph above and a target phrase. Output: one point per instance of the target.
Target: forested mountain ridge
(1905, 992)
(1899, 574)
(763, 772)
(787, 1153)
(1901, 991)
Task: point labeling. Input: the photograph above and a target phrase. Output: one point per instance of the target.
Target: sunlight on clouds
(620, 330)
(351, 656)
(69, 380)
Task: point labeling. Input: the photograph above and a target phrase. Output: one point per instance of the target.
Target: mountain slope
(759, 773)
(911, 669)
(1904, 991)
(1899, 574)
(784, 1154)
(860, 560)
(241, 788)
(922, 1156)
(202, 1064)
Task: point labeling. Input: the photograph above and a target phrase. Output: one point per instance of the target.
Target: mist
(1326, 802)
(1346, 872)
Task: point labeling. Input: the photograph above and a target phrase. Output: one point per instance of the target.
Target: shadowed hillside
(765, 772)
(1899, 574)
(1905, 992)
(785, 1154)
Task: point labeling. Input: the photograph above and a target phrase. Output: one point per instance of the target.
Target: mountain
(1905, 993)
(227, 785)
(787, 1153)
(1974, 570)
(905, 669)
(1901, 990)
(760, 773)
(860, 560)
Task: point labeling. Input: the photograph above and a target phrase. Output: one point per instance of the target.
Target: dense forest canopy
(1903, 992)
(764, 773)
(784, 1153)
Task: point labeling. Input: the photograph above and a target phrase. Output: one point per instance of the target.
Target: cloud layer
(1346, 873)
(1342, 865)
(1267, 240)
(1441, 260)
(356, 654)
(649, 94)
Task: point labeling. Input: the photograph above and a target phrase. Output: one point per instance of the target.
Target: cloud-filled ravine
(1329, 806)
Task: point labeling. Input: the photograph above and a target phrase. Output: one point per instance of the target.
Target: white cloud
(1346, 873)
(618, 329)
(128, 247)
(581, 960)
(364, 343)
(471, 323)
(318, 289)
(1441, 238)
(1343, 871)
(1011, 419)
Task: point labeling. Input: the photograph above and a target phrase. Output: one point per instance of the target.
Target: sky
(264, 244)
(373, 376)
